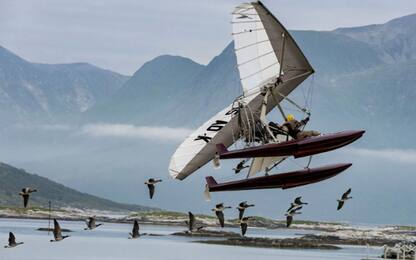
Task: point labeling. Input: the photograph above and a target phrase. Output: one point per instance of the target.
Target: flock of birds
(293, 210)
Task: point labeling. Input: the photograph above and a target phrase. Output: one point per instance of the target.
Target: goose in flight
(57, 234)
(344, 198)
(242, 207)
(191, 222)
(244, 224)
(219, 208)
(25, 193)
(151, 185)
(91, 224)
(135, 232)
(289, 215)
(296, 203)
(12, 241)
(240, 166)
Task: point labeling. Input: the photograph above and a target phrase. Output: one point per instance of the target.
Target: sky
(122, 35)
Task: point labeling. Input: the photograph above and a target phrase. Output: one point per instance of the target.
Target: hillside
(12, 180)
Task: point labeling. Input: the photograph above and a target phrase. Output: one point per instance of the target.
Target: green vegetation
(405, 228)
(168, 214)
(310, 222)
(161, 214)
(12, 180)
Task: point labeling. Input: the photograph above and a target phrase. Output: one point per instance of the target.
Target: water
(110, 242)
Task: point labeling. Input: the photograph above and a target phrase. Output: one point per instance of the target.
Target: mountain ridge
(36, 91)
(340, 59)
(12, 180)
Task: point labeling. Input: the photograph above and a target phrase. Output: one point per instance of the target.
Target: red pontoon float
(283, 180)
(298, 148)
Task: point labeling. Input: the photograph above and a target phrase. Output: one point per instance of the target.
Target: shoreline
(327, 235)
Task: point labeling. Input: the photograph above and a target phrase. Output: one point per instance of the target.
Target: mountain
(395, 40)
(50, 91)
(174, 91)
(159, 83)
(212, 89)
(359, 83)
(12, 180)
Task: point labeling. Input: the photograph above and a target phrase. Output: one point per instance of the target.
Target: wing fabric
(260, 42)
(256, 59)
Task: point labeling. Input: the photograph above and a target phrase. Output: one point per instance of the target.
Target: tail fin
(221, 149)
(207, 195)
(211, 181)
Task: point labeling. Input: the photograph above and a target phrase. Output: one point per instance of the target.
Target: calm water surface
(110, 242)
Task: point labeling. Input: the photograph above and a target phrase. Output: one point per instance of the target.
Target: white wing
(256, 59)
(260, 43)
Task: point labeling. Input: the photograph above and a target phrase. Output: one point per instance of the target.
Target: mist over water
(116, 168)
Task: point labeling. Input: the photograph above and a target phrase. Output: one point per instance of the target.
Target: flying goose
(151, 185)
(191, 222)
(135, 232)
(344, 198)
(289, 215)
(244, 224)
(200, 228)
(219, 208)
(240, 166)
(91, 224)
(296, 203)
(25, 193)
(12, 241)
(242, 207)
(57, 234)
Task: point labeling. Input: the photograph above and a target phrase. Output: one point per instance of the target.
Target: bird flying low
(344, 198)
(57, 233)
(296, 203)
(242, 206)
(135, 231)
(191, 221)
(289, 215)
(12, 241)
(240, 166)
(25, 193)
(219, 208)
(91, 224)
(244, 224)
(151, 185)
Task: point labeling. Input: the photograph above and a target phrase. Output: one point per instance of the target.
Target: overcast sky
(123, 34)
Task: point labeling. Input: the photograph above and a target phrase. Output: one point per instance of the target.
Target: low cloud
(132, 131)
(55, 127)
(394, 155)
(43, 127)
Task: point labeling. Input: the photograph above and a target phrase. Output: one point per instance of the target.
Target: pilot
(293, 128)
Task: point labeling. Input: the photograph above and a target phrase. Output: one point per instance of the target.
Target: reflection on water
(110, 242)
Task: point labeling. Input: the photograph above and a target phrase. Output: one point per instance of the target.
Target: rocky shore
(356, 241)
(287, 243)
(208, 233)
